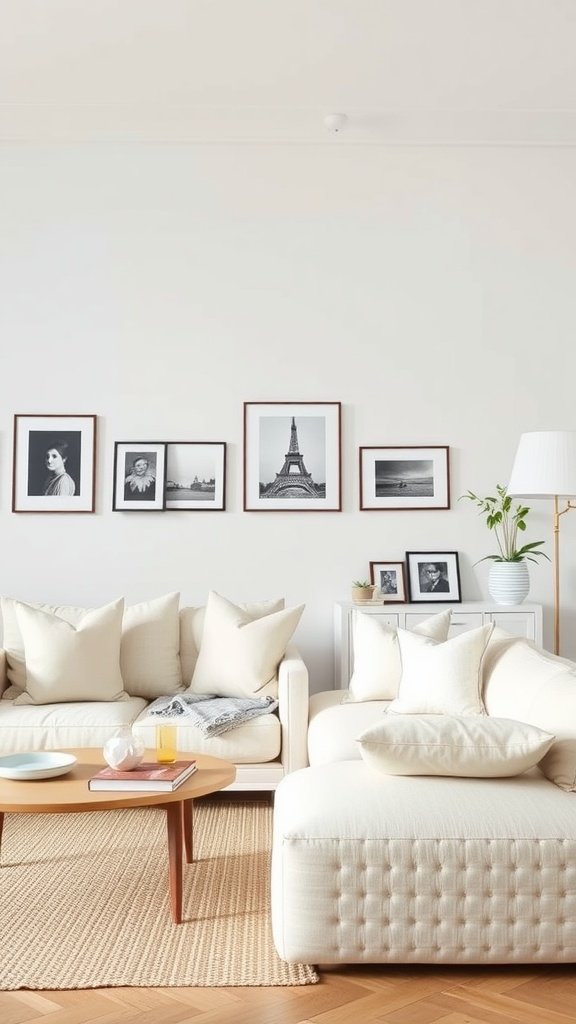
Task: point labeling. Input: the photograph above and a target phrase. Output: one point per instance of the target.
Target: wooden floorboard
(353, 995)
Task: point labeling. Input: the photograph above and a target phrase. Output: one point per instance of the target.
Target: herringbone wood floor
(387, 995)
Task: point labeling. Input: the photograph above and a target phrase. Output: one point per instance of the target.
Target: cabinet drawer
(460, 622)
(518, 623)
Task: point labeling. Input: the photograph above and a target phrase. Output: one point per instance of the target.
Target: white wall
(429, 289)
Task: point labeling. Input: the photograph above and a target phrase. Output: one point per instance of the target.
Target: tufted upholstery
(386, 869)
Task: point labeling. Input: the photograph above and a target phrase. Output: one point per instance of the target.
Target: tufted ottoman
(372, 868)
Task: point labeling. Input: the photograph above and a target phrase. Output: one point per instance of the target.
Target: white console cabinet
(523, 620)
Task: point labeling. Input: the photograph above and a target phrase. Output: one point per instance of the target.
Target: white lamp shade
(545, 465)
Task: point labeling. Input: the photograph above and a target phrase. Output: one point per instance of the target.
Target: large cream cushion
(239, 655)
(527, 683)
(377, 666)
(441, 679)
(71, 663)
(149, 646)
(192, 628)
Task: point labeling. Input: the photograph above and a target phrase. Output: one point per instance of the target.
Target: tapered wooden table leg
(174, 816)
(188, 829)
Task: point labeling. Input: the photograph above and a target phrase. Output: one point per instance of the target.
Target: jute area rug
(84, 901)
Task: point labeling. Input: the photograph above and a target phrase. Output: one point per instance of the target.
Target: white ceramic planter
(508, 582)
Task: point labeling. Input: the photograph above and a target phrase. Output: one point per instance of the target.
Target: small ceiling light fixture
(335, 122)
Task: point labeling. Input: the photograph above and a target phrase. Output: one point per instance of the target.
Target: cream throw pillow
(239, 655)
(71, 663)
(192, 627)
(441, 679)
(150, 646)
(472, 746)
(377, 665)
(539, 688)
(149, 649)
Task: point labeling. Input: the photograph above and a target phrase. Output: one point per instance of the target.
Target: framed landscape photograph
(292, 456)
(433, 576)
(404, 478)
(195, 476)
(139, 476)
(54, 463)
(389, 579)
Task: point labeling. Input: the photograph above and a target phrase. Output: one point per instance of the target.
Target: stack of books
(149, 775)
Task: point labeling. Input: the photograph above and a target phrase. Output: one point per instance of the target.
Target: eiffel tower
(293, 481)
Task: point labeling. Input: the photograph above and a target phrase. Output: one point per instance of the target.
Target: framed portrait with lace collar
(139, 476)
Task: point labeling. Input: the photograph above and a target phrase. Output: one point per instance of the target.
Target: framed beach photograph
(139, 476)
(433, 576)
(292, 456)
(404, 478)
(54, 463)
(389, 578)
(195, 476)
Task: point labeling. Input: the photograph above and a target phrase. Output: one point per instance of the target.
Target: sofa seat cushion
(58, 726)
(253, 742)
(371, 868)
(335, 724)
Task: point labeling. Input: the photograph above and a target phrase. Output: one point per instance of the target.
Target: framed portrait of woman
(54, 463)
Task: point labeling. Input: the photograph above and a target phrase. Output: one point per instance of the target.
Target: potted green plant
(362, 590)
(509, 581)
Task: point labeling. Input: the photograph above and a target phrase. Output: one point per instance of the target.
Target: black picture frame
(406, 478)
(427, 586)
(195, 476)
(139, 476)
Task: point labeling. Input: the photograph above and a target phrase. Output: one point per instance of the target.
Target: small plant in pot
(362, 590)
(509, 582)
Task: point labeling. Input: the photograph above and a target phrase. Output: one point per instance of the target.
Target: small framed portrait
(404, 478)
(433, 576)
(195, 476)
(389, 578)
(292, 457)
(54, 463)
(139, 476)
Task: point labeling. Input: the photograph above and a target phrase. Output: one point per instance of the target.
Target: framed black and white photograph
(389, 578)
(139, 476)
(404, 478)
(54, 463)
(195, 476)
(433, 576)
(292, 456)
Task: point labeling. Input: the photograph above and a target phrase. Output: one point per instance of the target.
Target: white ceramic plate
(39, 764)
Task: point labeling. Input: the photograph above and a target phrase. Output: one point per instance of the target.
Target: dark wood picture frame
(407, 477)
(54, 462)
(292, 457)
(195, 476)
(433, 576)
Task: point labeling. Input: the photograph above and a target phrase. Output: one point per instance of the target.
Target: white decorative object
(123, 751)
(509, 582)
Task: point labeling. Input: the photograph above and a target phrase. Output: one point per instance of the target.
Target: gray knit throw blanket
(212, 715)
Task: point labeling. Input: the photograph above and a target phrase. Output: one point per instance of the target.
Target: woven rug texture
(84, 901)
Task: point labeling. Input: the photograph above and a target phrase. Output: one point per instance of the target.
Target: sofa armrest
(293, 710)
(3, 675)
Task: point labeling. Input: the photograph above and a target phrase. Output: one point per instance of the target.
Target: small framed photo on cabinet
(433, 576)
(390, 581)
(139, 476)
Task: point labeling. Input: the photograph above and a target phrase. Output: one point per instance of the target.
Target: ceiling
(403, 71)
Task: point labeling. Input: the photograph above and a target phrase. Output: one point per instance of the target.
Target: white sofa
(372, 867)
(264, 749)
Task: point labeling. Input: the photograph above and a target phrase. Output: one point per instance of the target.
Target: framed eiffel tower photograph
(292, 457)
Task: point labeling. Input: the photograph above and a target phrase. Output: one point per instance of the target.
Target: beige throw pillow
(473, 746)
(149, 648)
(71, 663)
(239, 655)
(192, 627)
(377, 666)
(441, 679)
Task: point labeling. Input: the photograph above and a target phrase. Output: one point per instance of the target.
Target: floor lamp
(545, 467)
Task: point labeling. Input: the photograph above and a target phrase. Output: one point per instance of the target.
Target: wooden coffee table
(69, 793)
